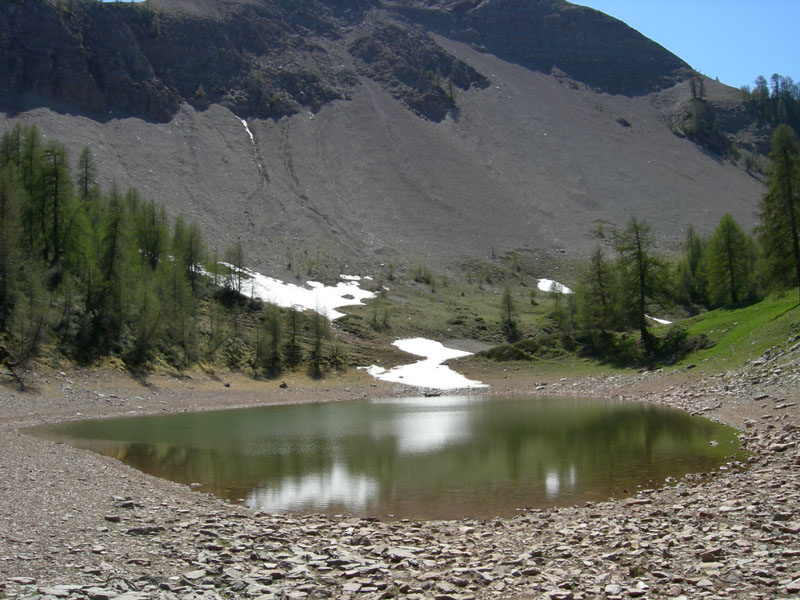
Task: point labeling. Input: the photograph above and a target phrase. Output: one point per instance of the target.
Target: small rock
(613, 589)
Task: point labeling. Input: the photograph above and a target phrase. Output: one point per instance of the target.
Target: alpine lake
(447, 457)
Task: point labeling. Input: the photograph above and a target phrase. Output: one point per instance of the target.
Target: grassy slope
(742, 334)
(467, 314)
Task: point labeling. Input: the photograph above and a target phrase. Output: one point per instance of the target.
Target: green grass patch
(741, 334)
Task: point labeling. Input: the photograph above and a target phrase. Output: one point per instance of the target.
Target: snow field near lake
(429, 372)
(548, 285)
(314, 296)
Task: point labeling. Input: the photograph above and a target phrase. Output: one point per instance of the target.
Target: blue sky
(733, 40)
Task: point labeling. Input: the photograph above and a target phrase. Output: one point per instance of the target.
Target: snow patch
(548, 285)
(247, 129)
(659, 321)
(429, 372)
(315, 296)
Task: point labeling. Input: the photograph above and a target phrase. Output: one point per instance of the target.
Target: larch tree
(780, 208)
(596, 293)
(641, 274)
(10, 254)
(728, 259)
(508, 310)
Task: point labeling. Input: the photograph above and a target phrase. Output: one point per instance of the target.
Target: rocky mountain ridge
(378, 131)
(269, 59)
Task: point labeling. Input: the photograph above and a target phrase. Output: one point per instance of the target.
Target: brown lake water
(423, 458)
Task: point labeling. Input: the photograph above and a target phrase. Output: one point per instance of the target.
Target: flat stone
(194, 575)
(612, 589)
(792, 528)
(98, 593)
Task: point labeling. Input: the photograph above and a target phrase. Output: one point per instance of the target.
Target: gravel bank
(77, 525)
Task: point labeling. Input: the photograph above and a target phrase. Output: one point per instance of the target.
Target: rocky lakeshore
(78, 525)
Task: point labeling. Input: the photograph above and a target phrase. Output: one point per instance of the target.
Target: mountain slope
(376, 139)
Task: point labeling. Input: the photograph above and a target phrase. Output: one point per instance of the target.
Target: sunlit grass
(742, 334)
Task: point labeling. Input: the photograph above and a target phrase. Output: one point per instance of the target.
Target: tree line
(726, 269)
(776, 101)
(618, 291)
(104, 273)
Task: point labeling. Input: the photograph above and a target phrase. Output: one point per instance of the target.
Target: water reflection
(421, 425)
(467, 456)
(318, 492)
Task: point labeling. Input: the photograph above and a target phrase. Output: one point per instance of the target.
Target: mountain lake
(468, 456)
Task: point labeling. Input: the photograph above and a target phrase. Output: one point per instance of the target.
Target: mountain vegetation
(96, 274)
(93, 274)
(459, 150)
(729, 269)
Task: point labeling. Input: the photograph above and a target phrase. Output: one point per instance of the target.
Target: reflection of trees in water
(515, 445)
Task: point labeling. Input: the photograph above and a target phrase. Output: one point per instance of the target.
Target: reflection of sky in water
(426, 424)
(429, 431)
(317, 491)
(553, 482)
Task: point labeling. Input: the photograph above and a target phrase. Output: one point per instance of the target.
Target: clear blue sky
(733, 40)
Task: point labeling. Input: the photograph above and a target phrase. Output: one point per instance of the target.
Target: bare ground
(76, 524)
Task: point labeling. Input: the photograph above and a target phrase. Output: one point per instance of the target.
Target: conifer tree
(778, 231)
(729, 260)
(508, 310)
(87, 177)
(292, 350)
(54, 198)
(641, 274)
(595, 295)
(10, 251)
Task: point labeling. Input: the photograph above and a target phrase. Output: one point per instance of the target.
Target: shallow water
(445, 457)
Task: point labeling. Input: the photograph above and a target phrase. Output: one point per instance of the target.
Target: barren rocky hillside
(368, 131)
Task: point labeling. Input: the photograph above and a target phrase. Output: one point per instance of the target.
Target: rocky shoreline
(77, 525)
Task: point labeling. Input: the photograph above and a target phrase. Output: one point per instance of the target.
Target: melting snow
(316, 296)
(547, 285)
(247, 129)
(429, 372)
(659, 321)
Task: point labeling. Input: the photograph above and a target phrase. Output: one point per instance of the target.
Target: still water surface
(446, 457)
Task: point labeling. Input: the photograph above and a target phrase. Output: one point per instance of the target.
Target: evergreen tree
(508, 311)
(778, 231)
(108, 300)
(641, 275)
(53, 201)
(320, 331)
(690, 274)
(729, 260)
(10, 250)
(11, 147)
(87, 177)
(30, 158)
(270, 339)
(152, 233)
(292, 350)
(595, 296)
(235, 258)
(178, 307)
(189, 251)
